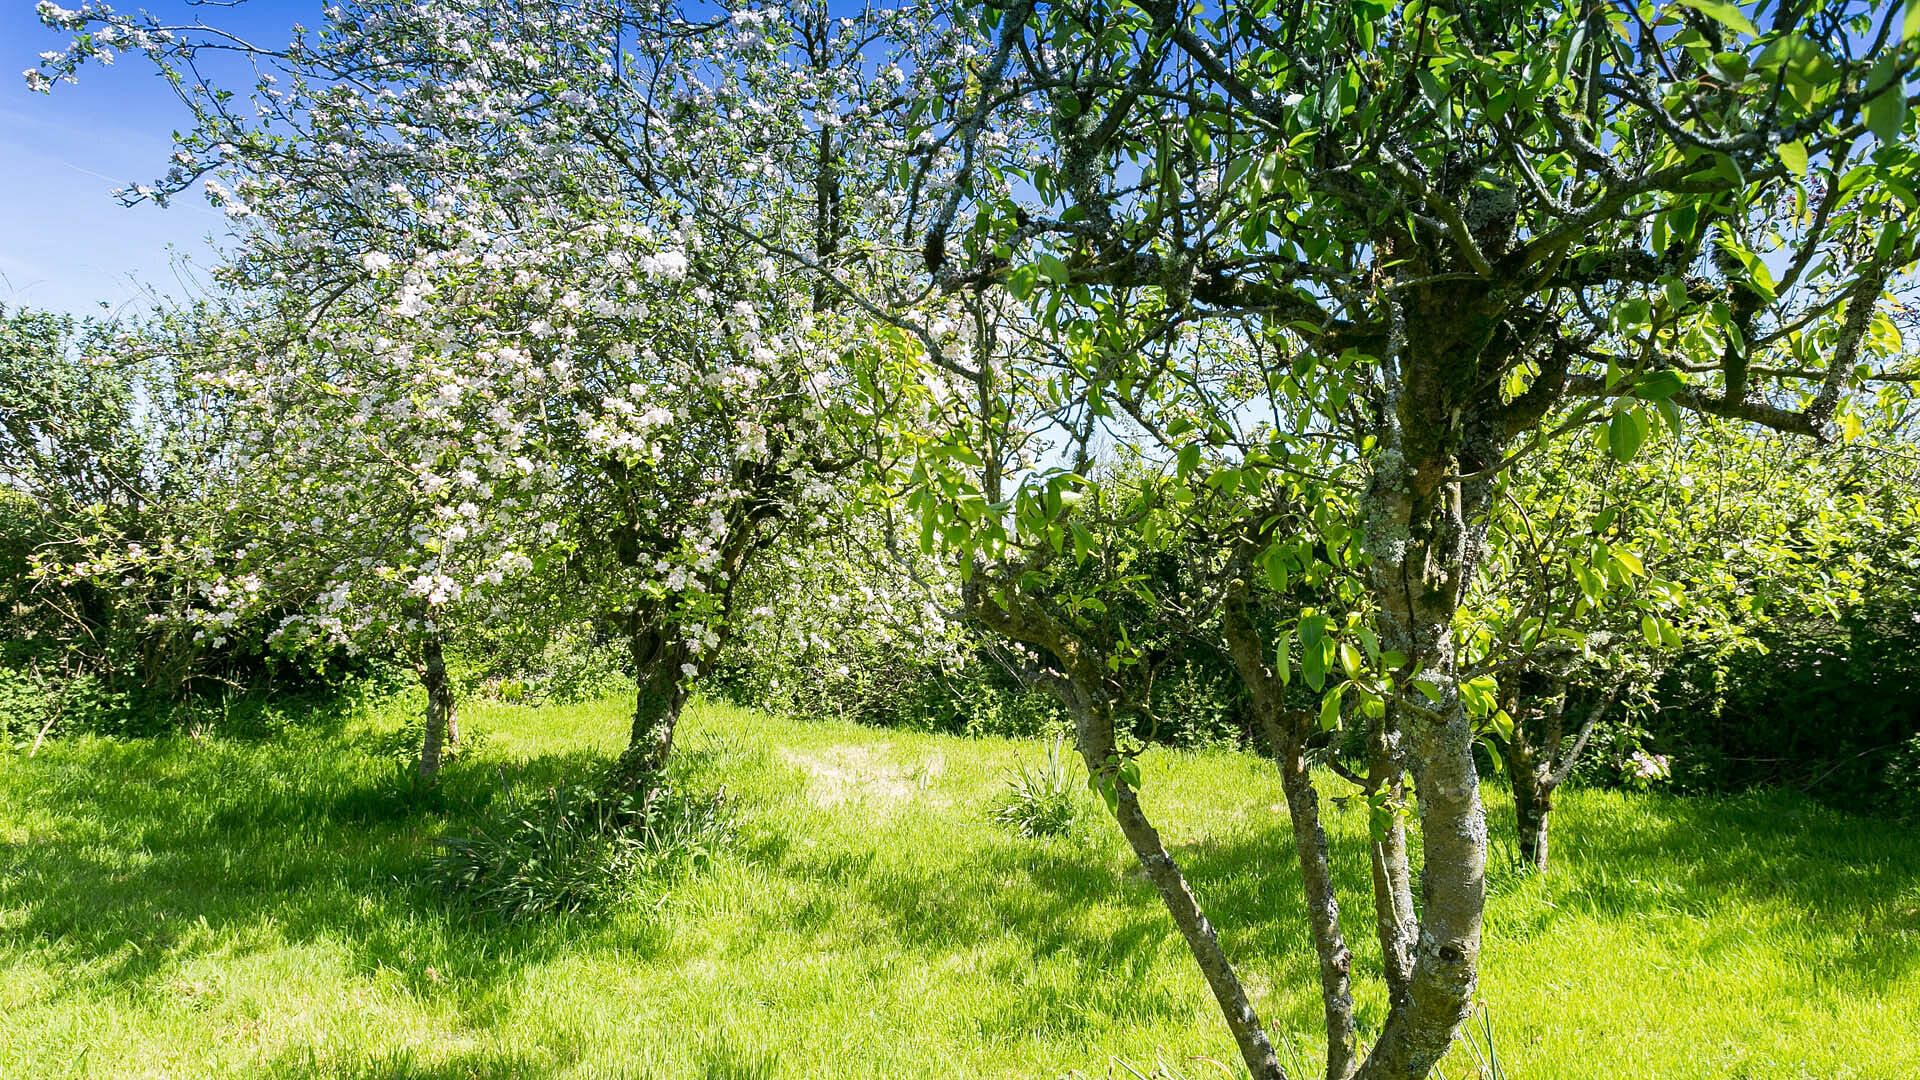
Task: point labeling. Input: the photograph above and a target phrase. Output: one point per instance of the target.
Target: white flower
(375, 261)
(671, 265)
(689, 670)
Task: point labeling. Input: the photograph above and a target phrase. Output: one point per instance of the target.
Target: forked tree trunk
(1542, 760)
(1423, 533)
(440, 708)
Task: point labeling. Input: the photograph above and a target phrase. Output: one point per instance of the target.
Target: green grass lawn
(225, 907)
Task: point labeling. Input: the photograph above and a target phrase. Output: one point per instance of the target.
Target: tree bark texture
(1423, 531)
(660, 693)
(440, 708)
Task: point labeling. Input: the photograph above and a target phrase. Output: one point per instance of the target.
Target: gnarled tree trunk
(661, 688)
(1532, 802)
(1541, 761)
(1422, 529)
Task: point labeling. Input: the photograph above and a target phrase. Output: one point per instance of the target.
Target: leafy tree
(106, 465)
(1444, 234)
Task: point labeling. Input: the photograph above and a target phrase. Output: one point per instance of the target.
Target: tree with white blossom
(532, 265)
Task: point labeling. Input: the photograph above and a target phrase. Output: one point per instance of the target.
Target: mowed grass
(223, 907)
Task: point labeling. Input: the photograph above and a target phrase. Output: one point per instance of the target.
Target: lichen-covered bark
(1422, 533)
(660, 693)
(1393, 917)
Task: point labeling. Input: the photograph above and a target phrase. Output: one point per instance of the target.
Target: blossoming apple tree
(530, 266)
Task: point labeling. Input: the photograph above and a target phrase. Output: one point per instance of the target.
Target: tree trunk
(1532, 802)
(1393, 918)
(1530, 764)
(1096, 747)
(1422, 531)
(1323, 913)
(1394, 922)
(440, 708)
(1081, 688)
(661, 687)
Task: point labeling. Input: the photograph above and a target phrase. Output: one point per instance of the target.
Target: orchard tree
(1454, 233)
(107, 454)
(1600, 571)
(555, 233)
(370, 510)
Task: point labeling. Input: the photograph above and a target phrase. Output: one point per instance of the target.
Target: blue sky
(65, 243)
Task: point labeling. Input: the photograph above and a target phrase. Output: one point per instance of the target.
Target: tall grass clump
(1039, 800)
(571, 849)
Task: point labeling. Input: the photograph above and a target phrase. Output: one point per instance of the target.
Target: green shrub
(1903, 781)
(1823, 706)
(1042, 800)
(568, 667)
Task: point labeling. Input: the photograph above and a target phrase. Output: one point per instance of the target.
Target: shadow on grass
(406, 1065)
(129, 856)
(1844, 888)
(1844, 892)
(139, 854)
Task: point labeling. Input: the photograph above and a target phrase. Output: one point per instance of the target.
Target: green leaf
(1276, 568)
(1625, 433)
(1794, 156)
(1051, 268)
(1851, 427)
(1480, 695)
(1283, 657)
(1727, 15)
(1330, 708)
(1660, 384)
(1351, 661)
(1887, 112)
(1313, 662)
(1380, 815)
(1021, 281)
